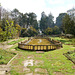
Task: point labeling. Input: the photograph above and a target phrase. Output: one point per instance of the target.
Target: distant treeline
(14, 24)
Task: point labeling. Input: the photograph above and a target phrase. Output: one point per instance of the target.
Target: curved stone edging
(6, 68)
(12, 59)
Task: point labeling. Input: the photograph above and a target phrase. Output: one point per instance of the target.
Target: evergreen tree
(59, 19)
(68, 25)
(46, 21)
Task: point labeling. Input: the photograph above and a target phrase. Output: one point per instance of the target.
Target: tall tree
(46, 21)
(50, 20)
(59, 19)
(68, 25)
(0, 11)
(32, 19)
(15, 16)
(23, 20)
(28, 19)
(43, 21)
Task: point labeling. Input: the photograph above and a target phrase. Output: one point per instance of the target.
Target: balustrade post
(33, 47)
(40, 47)
(46, 47)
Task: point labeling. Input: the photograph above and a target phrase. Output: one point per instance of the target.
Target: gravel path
(4, 45)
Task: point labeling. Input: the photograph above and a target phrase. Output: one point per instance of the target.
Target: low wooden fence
(39, 47)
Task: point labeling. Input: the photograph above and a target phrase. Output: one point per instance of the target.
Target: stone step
(5, 68)
(2, 73)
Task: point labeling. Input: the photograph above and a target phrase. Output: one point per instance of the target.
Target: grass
(14, 42)
(72, 55)
(5, 56)
(54, 61)
(64, 40)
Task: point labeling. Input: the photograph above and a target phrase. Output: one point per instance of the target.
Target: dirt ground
(4, 45)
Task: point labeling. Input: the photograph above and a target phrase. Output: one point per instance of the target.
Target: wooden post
(30, 46)
(37, 47)
(40, 47)
(46, 47)
(33, 47)
(43, 47)
(50, 47)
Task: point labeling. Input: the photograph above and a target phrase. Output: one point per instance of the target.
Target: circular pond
(40, 44)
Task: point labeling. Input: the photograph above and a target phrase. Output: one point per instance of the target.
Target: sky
(38, 6)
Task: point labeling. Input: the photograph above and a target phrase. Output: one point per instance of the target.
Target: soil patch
(29, 74)
(28, 63)
(40, 70)
(38, 56)
(30, 56)
(73, 67)
(26, 69)
(58, 73)
(12, 49)
(37, 62)
(72, 47)
(40, 74)
(5, 46)
(39, 51)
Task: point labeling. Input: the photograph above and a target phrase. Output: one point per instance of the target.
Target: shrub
(73, 42)
(69, 52)
(0, 56)
(2, 62)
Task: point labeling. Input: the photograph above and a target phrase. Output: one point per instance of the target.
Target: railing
(39, 47)
(54, 45)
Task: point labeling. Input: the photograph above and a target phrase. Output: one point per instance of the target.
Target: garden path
(4, 45)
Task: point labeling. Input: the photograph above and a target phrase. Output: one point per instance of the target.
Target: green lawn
(64, 40)
(73, 55)
(5, 56)
(47, 63)
(53, 61)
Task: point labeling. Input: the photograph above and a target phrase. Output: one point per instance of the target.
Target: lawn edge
(12, 59)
